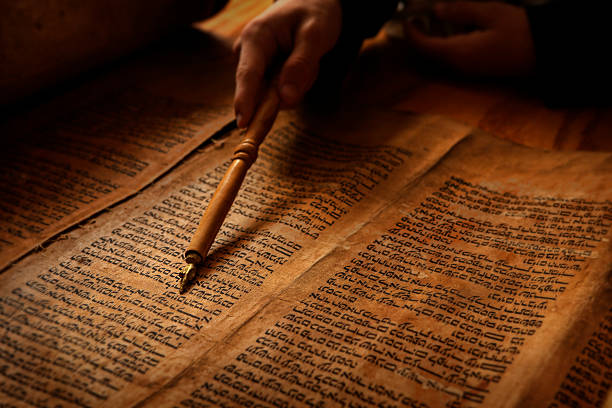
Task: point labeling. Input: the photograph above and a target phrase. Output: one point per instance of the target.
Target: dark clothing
(572, 44)
(363, 19)
(571, 37)
(360, 19)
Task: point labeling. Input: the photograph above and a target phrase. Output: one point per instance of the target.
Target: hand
(501, 45)
(303, 30)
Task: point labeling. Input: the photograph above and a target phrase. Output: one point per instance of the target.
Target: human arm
(572, 43)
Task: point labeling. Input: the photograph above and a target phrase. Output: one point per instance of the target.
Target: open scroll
(109, 138)
(385, 260)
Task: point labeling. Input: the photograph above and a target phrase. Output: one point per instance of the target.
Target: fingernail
(239, 120)
(289, 93)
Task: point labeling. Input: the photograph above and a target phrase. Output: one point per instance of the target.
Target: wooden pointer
(244, 156)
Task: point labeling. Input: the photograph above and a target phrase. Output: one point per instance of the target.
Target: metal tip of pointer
(188, 275)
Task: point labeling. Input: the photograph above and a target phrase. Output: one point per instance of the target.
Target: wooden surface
(391, 76)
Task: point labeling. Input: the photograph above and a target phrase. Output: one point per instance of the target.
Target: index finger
(257, 49)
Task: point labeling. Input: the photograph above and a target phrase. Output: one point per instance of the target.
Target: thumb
(480, 14)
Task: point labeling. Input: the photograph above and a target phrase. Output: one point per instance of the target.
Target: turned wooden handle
(244, 156)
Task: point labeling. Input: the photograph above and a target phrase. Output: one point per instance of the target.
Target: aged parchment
(388, 260)
(109, 138)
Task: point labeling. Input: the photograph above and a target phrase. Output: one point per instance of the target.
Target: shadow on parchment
(340, 131)
(181, 63)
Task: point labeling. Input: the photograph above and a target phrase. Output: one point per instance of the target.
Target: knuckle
(251, 30)
(300, 64)
(245, 73)
(311, 30)
(301, 71)
(258, 32)
(258, 37)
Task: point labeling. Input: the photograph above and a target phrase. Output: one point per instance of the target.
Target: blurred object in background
(43, 42)
(420, 13)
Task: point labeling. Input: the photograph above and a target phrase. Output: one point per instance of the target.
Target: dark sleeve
(361, 19)
(572, 45)
(219, 5)
(201, 9)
